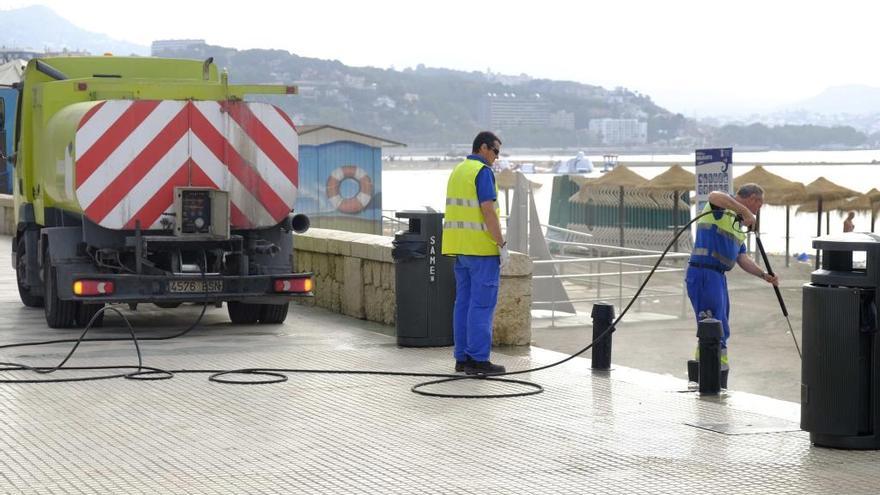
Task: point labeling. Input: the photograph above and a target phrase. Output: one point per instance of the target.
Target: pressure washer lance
(778, 294)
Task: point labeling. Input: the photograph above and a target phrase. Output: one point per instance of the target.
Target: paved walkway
(625, 431)
(654, 337)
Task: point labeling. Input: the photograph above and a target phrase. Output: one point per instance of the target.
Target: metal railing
(626, 275)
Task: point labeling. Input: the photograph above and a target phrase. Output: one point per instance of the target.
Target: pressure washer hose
(277, 375)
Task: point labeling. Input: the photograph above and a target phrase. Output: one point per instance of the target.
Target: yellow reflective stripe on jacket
(718, 239)
(462, 202)
(724, 225)
(464, 227)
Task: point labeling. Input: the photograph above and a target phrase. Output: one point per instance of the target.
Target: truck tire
(24, 292)
(85, 312)
(274, 313)
(243, 313)
(59, 314)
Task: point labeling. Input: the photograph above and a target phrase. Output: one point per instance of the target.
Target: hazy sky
(691, 56)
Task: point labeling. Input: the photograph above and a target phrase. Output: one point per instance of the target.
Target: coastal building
(506, 110)
(340, 178)
(562, 120)
(10, 54)
(164, 46)
(620, 131)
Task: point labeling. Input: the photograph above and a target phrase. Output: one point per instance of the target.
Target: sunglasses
(495, 150)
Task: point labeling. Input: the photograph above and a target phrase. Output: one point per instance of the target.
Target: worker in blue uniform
(472, 233)
(718, 247)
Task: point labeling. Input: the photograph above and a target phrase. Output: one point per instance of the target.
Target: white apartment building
(620, 131)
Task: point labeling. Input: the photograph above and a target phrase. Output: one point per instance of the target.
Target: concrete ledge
(354, 275)
(7, 215)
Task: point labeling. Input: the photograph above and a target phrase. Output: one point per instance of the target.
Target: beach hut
(340, 178)
(676, 180)
(821, 190)
(777, 191)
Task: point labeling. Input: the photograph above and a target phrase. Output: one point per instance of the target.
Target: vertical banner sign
(714, 173)
(432, 260)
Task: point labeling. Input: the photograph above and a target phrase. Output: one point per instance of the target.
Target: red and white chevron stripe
(131, 154)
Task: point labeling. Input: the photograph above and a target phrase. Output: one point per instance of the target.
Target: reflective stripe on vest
(718, 240)
(464, 227)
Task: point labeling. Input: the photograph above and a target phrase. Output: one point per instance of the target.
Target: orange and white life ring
(357, 202)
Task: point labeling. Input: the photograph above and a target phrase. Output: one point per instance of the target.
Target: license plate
(195, 286)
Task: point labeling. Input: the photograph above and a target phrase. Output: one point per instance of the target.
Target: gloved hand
(505, 255)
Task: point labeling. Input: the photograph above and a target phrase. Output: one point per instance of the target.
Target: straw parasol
(821, 190)
(777, 191)
(676, 179)
(775, 188)
(506, 180)
(620, 177)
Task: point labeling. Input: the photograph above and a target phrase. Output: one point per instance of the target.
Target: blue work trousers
(476, 293)
(707, 290)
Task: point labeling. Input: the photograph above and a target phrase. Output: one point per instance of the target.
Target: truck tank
(150, 180)
(118, 162)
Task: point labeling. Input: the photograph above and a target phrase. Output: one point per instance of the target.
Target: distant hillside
(38, 28)
(851, 99)
(428, 106)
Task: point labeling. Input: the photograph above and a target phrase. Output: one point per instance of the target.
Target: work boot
(483, 368)
(460, 365)
(694, 371)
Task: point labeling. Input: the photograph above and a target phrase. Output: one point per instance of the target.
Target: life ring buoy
(359, 201)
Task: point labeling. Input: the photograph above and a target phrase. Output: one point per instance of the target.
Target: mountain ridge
(39, 28)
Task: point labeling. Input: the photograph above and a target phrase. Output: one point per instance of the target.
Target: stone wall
(7, 215)
(354, 275)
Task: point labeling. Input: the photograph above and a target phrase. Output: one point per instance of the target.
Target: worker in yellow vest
(472, 233)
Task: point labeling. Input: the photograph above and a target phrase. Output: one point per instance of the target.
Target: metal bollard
(603, 316)
(709, 332)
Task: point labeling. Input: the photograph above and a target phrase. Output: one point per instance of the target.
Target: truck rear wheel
(24, 292)
(240, 312)
(274, 313)
(59, 314)
(85, 312)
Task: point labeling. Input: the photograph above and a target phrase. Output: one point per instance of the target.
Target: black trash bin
(840, 371)
(425, 282)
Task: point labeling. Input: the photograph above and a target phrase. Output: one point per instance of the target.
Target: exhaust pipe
(298, 223)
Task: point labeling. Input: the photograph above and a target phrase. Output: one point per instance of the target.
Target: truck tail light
(92, 287)
(293, 285)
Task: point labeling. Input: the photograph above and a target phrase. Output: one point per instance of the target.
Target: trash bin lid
(849, 241)
(417, 213)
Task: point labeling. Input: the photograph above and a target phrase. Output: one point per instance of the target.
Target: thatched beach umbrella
(796, 196)
(777, 191)
(677, 180)
(506, 180)
(863, 203)
(821, 190)
(620, 177)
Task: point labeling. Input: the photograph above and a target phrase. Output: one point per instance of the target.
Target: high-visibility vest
(464, 227)
(718, 240)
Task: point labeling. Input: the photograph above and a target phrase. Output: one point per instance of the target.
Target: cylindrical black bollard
(709, 332)
(603, 316)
